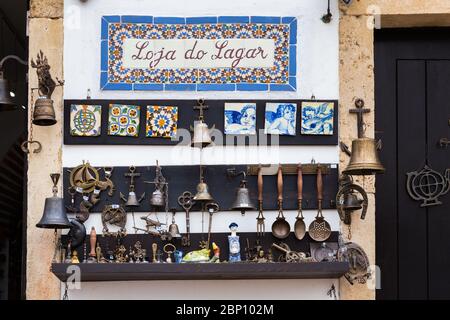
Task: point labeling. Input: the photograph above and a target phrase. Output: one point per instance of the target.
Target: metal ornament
(86, 179)
(364, 155)
(202, 194)
(132, 200)
(427, 185)
(242, 201)
(260, 225)
(186, 201)
(173, 228)
(347, 199)
(202, 135)
(114, 215)
(359, 265)
(159, 197)
(54, 216)
(44, 113)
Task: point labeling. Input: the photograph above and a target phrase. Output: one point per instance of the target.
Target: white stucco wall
(317, 73)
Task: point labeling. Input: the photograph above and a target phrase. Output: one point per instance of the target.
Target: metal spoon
(299, 227)
(280, 228)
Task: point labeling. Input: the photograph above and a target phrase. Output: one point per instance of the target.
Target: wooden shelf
(202, 271)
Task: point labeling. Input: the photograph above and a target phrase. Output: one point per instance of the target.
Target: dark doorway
(13, 41)
(412, 91)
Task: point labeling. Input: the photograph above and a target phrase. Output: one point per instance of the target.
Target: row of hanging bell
(242, 201)
(202, 134)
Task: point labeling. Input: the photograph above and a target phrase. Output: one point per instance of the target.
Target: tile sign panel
(228, 53)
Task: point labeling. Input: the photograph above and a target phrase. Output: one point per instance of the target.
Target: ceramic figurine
(178, 256)
(233, 244)
(216, 256)
(201, 255)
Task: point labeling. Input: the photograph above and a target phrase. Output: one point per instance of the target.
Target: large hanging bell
(6, 101)
(157, 199)
(54, 216)
(364, 158)
(44, 113)
(202, 135)
(243, 201)
(203, 192)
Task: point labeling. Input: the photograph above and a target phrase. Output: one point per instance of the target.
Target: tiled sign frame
(289, 82)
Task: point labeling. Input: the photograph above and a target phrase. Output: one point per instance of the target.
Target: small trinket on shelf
(234, 245)
(68, 253)
(169, 249)
(92, 241)
(75, 257)
(178, 254)
(216, 256)
(154, 251)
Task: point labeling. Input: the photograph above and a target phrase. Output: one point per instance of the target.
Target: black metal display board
(186, 117)
(221, 187)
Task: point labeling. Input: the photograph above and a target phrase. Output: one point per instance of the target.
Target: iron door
(412, 88)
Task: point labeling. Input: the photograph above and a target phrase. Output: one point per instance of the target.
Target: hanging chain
(66, 295)
(349, 235)
(32, 114)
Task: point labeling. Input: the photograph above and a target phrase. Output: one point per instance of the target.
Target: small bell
(203, 192)
(44, 113)
(202, 135)
(132, 200)
(351, 202)
(173, 228)
(364, 158)
(243, 201)
(54, 216)
(157, 199)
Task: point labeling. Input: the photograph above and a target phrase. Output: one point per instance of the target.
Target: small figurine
(270, 256)
(154, 250)
(201, 255)
(216, 256)
(120, 254)
(75, 257)
(178, 254)
(234, 245)
(261, 258)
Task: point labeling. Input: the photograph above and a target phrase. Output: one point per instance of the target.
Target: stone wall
(46, 34)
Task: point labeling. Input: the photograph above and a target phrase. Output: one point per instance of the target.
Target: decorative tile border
(116, 76)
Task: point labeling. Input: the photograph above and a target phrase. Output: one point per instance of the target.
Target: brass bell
(174, 231)
(351, 202)
(44, 113)
(243, 201)
(54, 216)
(364, 158)
(157, 198)
(203, 192)
(202, 135)
(6, 101)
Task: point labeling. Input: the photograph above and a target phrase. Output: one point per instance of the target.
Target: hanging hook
(26, 149)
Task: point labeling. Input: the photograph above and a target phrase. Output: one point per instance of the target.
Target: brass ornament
(114, 215)
(427, 185)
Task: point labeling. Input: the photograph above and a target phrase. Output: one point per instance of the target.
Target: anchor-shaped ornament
(132, 200)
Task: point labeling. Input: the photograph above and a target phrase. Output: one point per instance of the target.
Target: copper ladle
(280, 228)
(299, 227)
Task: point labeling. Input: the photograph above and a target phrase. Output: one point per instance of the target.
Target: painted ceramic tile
(123, 120)
(161, 121)
(85, 120)
(317, 118)
(280, 118)
(240, 118)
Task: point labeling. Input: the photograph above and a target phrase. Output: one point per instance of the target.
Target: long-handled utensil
(280, 228)
(299, 227)
(319, 229)
(260, 226)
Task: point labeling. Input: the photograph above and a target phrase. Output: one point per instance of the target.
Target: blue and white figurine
(240, 118)
(281, 118)
(233, 244)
